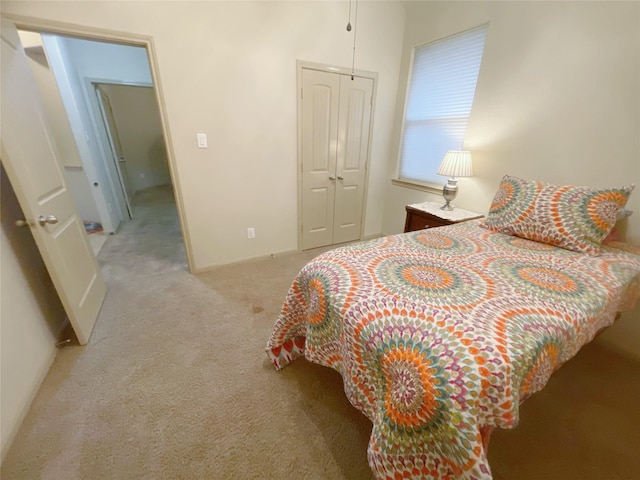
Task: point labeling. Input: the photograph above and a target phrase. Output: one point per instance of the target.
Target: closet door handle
(340, 177)
(332, 177)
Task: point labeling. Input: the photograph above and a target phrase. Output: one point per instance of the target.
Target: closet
(334, 129)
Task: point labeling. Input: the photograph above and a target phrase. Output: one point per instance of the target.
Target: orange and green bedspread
(440, 334)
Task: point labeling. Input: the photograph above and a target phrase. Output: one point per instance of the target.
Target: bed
(440, 334)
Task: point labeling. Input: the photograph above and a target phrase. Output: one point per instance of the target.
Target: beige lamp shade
(456, 163)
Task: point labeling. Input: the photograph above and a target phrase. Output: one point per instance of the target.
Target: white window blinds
(441, 88)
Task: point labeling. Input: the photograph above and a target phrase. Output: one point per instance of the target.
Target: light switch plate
(202, 140)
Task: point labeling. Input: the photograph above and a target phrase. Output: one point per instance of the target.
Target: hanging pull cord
(355, 32)
(349, 23)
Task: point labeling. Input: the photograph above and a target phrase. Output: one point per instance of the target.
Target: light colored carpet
(175, 385)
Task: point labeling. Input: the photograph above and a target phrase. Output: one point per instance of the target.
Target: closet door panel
(352, 153)
(319, 126)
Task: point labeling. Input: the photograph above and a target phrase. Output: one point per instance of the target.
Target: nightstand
(429, 215)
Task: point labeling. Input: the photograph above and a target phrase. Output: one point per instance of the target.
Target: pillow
(574, 218)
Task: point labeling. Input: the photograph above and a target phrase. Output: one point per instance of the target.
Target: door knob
(42, 220)
(332, 177)
(22, 223)
(340, 177)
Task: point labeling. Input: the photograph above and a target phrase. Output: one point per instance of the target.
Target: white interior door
(117, 152)
(36, 176)
(353, 149)
(335, 125)
(320, 101)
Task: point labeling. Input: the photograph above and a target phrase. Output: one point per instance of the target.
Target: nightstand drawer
(417, 222)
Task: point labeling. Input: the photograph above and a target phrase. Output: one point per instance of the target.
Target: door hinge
(301, 94)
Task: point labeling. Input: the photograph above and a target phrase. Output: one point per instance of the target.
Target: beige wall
(228, 69)
(135, 111)
(557, 99)
(30, 316)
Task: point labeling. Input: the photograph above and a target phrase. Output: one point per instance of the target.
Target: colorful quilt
(440, 334)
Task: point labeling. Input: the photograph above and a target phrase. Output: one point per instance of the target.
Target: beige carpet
(175, 385)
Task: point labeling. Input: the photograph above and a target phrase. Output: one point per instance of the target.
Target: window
(441, 88)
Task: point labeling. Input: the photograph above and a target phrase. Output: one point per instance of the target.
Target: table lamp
(454, 164)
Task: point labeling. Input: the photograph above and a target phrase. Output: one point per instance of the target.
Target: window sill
(425, 187)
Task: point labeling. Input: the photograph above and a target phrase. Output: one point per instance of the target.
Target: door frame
(306, 65)
(136, 40)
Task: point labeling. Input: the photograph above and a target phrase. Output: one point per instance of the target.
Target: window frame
(412, 183)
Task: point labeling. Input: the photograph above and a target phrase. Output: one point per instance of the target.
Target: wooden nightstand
(429, 215)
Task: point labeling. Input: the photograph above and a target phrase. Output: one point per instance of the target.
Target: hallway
(150, 243)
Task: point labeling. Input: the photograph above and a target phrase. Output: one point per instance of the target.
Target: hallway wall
(75, 62)
(63, 142)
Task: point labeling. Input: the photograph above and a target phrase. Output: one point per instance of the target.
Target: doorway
(64, 174)
(111, 167)
(334, 130)
(134, 129)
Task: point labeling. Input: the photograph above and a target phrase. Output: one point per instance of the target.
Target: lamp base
(449, 192)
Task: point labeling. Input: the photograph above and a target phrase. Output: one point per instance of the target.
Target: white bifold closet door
(335, 126)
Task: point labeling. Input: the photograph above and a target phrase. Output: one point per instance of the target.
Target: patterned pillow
(575, 218)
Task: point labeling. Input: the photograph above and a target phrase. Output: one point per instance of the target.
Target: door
(117, 153)
(29, 159)
(354, 117)
(335, 125)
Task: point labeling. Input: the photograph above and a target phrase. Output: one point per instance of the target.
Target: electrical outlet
(251, 232)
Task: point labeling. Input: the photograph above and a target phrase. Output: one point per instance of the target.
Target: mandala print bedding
(440, 334)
